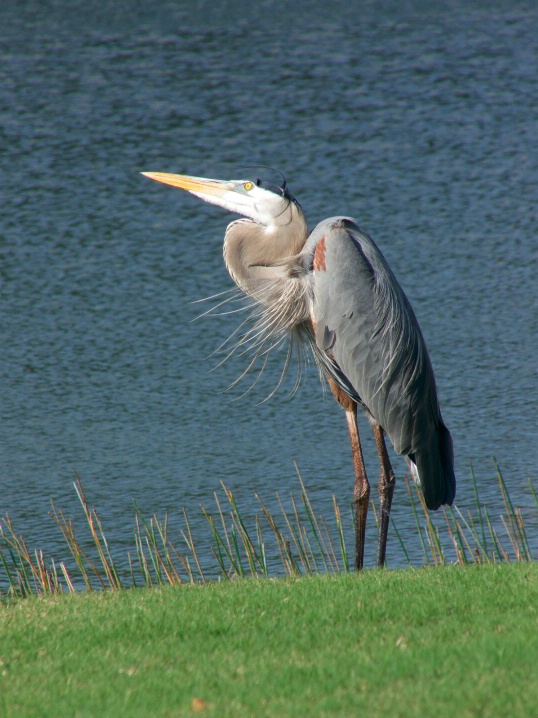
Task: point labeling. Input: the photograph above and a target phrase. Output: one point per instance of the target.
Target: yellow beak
(197, 185)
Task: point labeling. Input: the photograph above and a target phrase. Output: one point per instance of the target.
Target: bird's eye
(248, 186)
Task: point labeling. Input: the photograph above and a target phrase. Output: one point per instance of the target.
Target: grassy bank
(439, 641)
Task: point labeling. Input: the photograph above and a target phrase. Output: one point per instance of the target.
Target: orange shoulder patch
(319, 256)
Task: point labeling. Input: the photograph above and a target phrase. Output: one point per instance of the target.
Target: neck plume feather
(260, 260)
(263, 261)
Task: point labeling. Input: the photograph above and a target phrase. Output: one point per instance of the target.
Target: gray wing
(365, 324)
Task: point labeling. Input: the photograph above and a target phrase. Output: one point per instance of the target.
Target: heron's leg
(361, 489)
(387, 482)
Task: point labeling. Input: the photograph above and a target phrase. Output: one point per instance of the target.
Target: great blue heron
(334, 290)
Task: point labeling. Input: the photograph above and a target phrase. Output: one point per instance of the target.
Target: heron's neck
(256, 255)
(262, 261)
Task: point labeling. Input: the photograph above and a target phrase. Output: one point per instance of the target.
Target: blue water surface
(418, 119)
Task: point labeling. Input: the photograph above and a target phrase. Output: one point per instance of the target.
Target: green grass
(447, 641)
(443, 640)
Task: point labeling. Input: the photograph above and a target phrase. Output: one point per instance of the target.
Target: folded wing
(365, 325)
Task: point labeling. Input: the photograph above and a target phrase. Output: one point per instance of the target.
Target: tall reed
(291, 541)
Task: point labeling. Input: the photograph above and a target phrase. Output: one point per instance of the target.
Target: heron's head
(266, 204)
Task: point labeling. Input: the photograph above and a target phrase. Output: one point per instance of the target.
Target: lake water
(418, 119)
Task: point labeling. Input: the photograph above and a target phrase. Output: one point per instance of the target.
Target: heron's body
(379, 350)
(334, 289)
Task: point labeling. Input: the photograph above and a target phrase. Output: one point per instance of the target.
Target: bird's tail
(432, 468)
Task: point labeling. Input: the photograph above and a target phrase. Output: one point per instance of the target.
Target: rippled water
(419, 122)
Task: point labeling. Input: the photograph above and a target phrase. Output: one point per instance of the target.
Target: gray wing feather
(365, 324)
